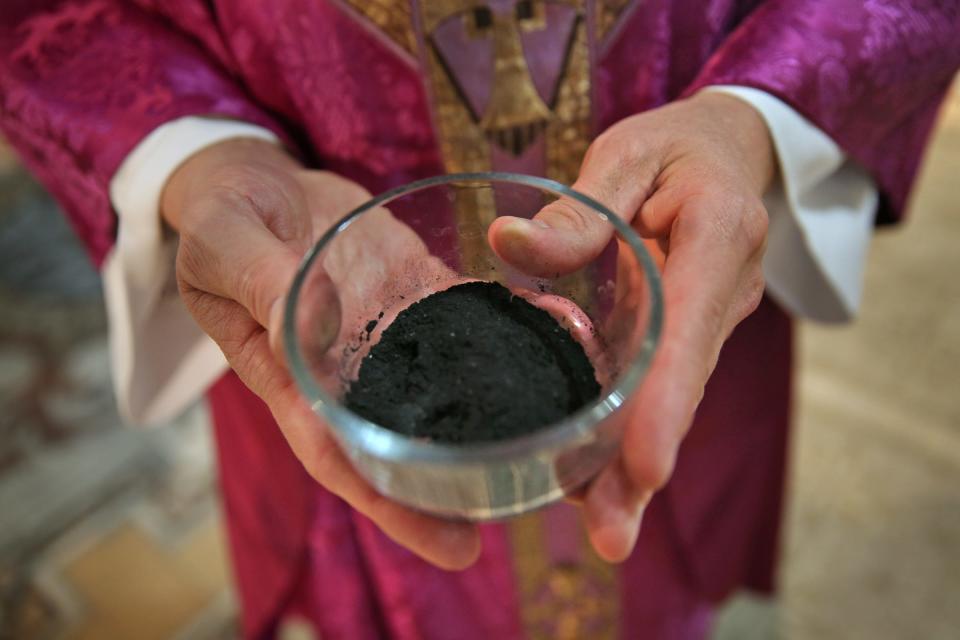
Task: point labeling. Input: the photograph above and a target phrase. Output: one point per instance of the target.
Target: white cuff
(822, 212)
(821, 219)
(162, 362)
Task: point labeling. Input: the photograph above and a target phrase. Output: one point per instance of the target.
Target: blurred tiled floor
(108, 532)
(105, 532)
(874, 549)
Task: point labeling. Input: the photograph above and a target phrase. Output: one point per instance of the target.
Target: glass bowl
(420, 238)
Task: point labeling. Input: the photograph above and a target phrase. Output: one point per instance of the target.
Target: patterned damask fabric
(83, 81)
(870, 73)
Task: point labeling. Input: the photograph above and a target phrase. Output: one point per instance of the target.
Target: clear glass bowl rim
(383, 443)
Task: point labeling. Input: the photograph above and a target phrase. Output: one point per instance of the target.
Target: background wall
(109, 532)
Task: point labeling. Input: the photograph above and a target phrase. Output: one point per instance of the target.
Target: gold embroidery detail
(531, 14)
(555, 601)
(464, 148)
(562, 602)
(516, 114)
(568, 136)
(475, 209)
(569, 131)
(514, 117)
(433, 12)
(392, 17)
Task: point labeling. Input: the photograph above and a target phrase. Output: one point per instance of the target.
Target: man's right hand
(246, 212)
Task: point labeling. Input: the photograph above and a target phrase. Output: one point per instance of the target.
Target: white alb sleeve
(162, 362)
(822, 209)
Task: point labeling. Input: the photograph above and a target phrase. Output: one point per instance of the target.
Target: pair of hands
(689, 175)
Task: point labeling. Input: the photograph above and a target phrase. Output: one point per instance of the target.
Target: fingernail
(522, 226)
(615, 539)
(637, 518)
(629, 525)
(629, 516)
(461, 544)
(518, 227)
(624, 513)
(455, 536)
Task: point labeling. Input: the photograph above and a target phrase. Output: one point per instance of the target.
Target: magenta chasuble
(386, 91)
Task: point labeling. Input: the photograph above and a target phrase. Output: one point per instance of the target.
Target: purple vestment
(374, 91)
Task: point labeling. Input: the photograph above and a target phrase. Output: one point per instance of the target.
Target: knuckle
(199, 306)
(258, 186)
(236, 348)
(348, 189)
(193, 260)
(755, 225)
(251, 288)
(228, 326)
(742, 222)
(755, 287)
(246, 353)
(564, 214)
(605, 141)
(626, 154)
(659, 471)
(752, 293)
(262, 192)
(630, 137)
(723, 226)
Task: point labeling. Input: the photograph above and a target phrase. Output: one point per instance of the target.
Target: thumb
(568, 234)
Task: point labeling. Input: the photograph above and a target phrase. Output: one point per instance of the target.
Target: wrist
(747, 132)
(197, 171)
